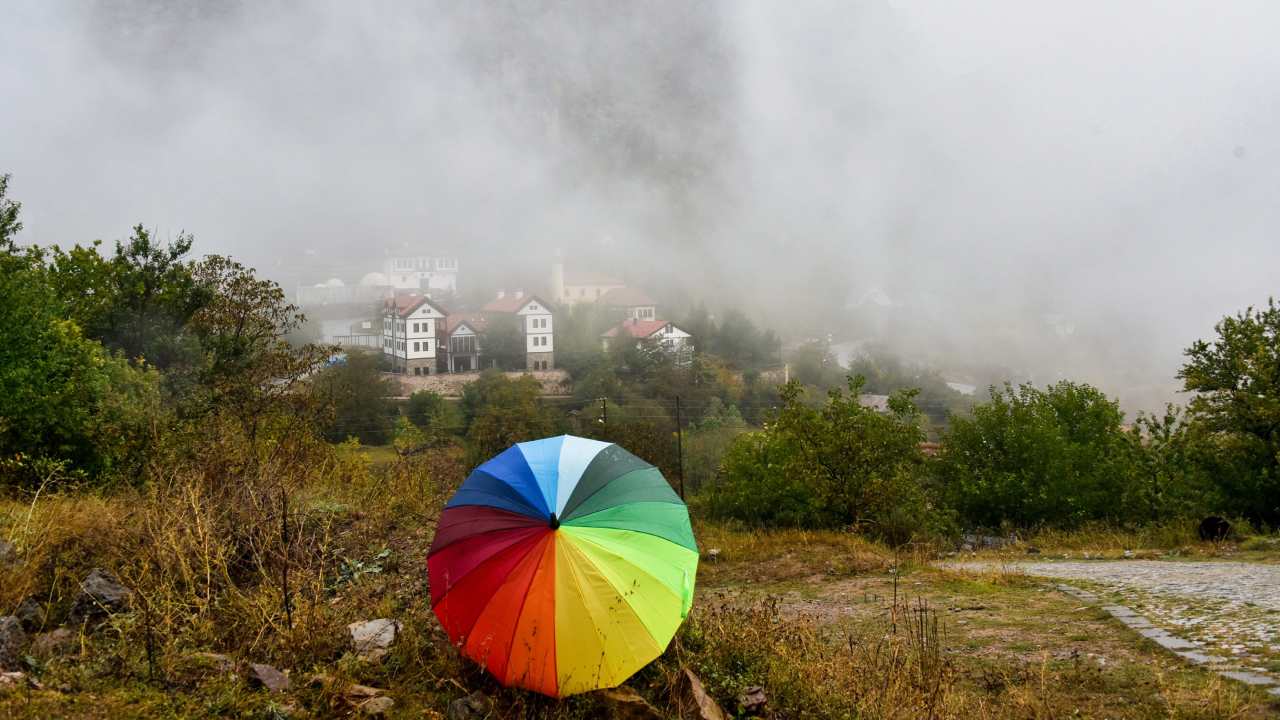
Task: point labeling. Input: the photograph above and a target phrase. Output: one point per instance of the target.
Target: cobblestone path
(1222, 614)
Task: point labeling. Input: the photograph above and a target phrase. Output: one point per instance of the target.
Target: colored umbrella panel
(566, 600)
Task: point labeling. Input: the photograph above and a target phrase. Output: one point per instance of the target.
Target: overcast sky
(983, 165)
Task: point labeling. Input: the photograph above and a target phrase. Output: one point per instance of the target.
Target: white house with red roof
(461, 343)
(412, 327)
(536, 326)
(631, 303)
(661, 333)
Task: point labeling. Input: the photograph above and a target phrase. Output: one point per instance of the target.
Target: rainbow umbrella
(563, 565)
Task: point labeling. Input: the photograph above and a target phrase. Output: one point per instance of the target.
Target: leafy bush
(836, 464)
(1058, 456)
(1236, 378)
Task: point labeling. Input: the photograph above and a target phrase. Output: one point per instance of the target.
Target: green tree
(434, 414)
(1058, 456)
(500, 411)
(813, 364)
(502, 343)
(839, 463)
(357, 395)
(1236, 378)
(139, 300)
(63, 397)
(10, 225)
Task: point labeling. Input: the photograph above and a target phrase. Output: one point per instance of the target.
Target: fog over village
(577, 359)
(995, 189)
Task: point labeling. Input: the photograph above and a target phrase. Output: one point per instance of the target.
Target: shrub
(1058, 456)
(836, 464)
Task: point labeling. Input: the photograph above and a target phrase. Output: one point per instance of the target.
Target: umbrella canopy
(563, 565)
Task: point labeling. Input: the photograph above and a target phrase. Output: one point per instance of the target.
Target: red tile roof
(625, 297)
(475, 322)
(512, 303)
(636, 328)
(406, 303)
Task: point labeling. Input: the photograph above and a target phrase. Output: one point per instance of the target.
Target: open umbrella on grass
(563, 565)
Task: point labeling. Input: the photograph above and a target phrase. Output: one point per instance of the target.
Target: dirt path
(1230, 610)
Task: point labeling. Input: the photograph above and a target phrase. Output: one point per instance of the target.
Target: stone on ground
(472, 707)
(265, 676)
(100, 595)
(706, 706)
(59, 641)
(13, 643)
(372, 638)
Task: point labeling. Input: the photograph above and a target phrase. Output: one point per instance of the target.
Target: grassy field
(830, 625)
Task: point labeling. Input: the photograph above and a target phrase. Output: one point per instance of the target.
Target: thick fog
(1048, 189)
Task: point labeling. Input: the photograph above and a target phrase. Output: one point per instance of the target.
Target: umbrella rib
(623, 597)
(481, 564)
(577, 522)
(568, 511)
(515, 626)
(602, 548)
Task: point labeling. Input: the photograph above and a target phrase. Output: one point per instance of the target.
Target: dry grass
(204, 548)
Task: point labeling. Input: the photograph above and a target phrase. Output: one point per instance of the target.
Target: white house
(461, 345)
(631, 303)
(422, 272)
(412, 327)
(536, 325)
(663, 334)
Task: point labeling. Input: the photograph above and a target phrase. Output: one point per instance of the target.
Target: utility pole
(680, 445)
(604, 411)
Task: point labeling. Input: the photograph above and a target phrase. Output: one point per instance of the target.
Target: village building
(663, 334)
(429, 273)
(535, 321)
(629, 304)
(412, 327)
(569, 287)
(461, 346)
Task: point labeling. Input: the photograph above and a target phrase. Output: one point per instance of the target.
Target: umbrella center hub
(554, 522)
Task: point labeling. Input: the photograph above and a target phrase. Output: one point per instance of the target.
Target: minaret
(557, 278)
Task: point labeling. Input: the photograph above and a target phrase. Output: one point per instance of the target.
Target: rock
(627, 704)
(706, 706)
(1127, 553)
(713, 554)
(472, 707)
(265, 676)
(1214, 529)
(967, 547)
(752, 701)
(30, 614)
(18, 679)
(1033, 550)
(59, 641)
(373, 637)
(360, 693)
(100, 595)
(13, 643)
(376, 706)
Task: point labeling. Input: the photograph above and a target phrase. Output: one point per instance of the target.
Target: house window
(426, 344)
(415, 327)
(415, 347)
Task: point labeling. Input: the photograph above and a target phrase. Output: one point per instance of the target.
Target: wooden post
(680, 445)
